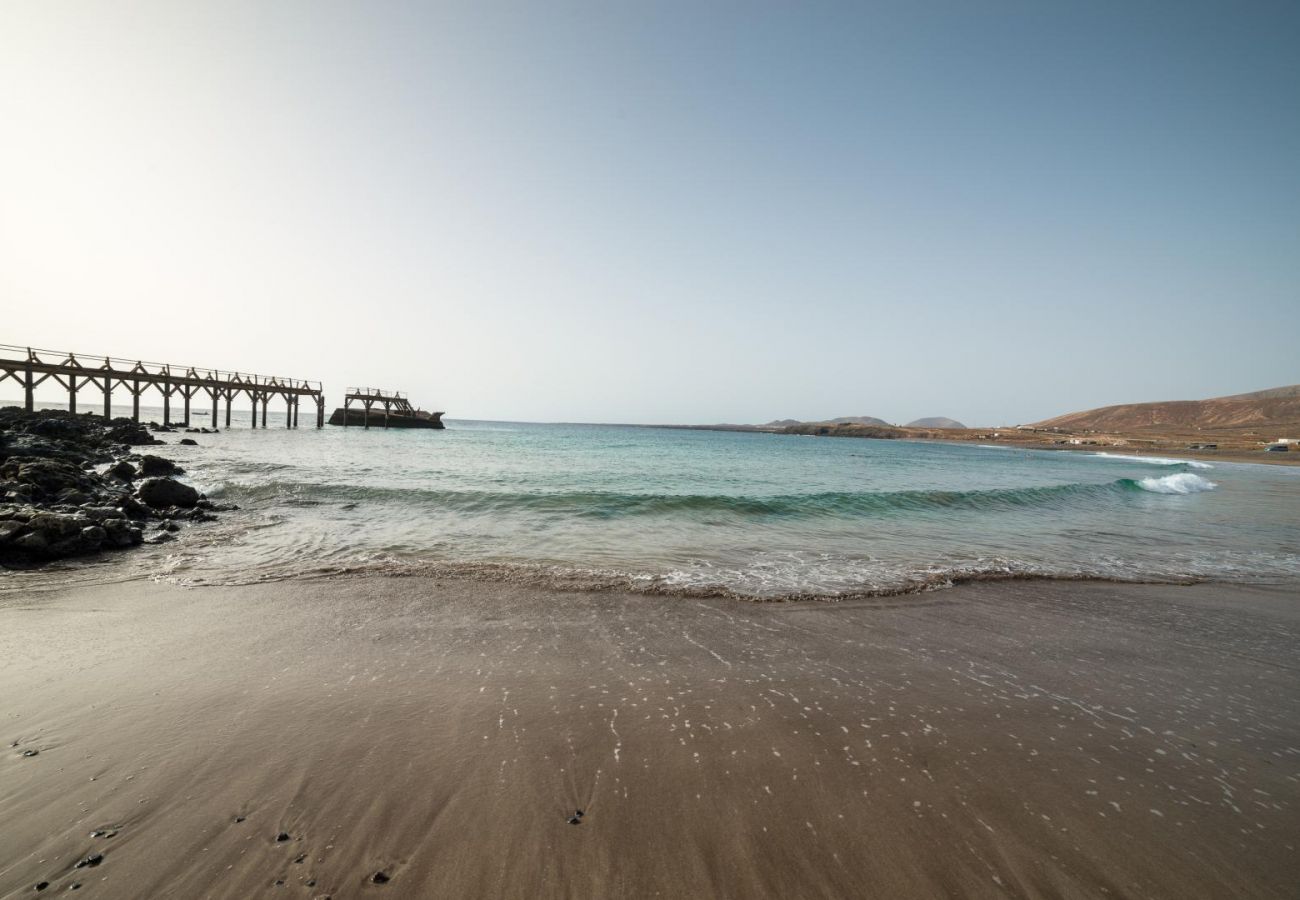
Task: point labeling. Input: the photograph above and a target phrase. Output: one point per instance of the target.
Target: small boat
(382, 409)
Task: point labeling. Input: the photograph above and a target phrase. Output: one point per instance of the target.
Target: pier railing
(31, 367)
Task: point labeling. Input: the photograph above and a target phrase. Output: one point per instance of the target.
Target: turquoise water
(696, 511)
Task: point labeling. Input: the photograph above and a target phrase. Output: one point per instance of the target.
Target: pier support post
(253, 421)
(167, 399)
(229, 395)
(288, 411)
(213, 420)
(296, 399)
(320, 412)
(108, 397)
(29, 387)
(266, 401)
(135, 400)
(186, 393)
(72, 393)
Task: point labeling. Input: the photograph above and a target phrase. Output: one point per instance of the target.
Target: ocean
(707, 513)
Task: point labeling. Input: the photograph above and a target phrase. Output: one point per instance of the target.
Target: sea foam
(1181, 483)
(1156, 460)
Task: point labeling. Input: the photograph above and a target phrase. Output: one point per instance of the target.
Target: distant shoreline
(1017, 440)
(1290, 458)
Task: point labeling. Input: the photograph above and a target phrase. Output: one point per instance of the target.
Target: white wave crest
(1181, 483)
(1156, 460)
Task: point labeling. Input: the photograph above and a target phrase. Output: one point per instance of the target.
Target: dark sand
(1025, 739)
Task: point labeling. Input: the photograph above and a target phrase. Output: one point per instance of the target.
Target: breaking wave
(612, 504)
(1156, 460)
(1180, 483)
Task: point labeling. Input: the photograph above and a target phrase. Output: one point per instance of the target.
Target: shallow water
(697, 511)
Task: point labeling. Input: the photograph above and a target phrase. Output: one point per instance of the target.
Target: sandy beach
(1037, 739)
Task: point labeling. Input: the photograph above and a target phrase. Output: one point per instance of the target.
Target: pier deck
(31, 367)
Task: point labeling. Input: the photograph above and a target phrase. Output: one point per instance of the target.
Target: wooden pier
(31, 367)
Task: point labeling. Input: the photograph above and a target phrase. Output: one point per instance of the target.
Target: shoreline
(1238, 457)
(1020, 739)
(1244, 457)
(551, 578)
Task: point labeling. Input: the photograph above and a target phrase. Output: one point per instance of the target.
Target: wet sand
(1019, 739)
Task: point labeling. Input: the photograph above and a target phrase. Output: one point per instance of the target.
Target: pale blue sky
(665, 212)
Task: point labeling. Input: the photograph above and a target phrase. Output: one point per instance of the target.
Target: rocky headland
(74, 485)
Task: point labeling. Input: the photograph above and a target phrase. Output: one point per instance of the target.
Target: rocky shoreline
(75, 485)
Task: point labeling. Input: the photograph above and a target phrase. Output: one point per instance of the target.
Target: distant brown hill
(842, 420)
(935, 422)
(858, 420)
(1270, 409)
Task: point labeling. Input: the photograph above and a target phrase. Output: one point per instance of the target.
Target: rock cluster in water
(72, 485)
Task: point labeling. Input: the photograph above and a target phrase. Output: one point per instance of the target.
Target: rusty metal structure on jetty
(31, 367)
(391, 401)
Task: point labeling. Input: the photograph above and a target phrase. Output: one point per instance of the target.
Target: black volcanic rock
(55, 503)
(161, 493)
(123, 470)
(154, 466)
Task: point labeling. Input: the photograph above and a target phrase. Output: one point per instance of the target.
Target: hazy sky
(660, 212)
